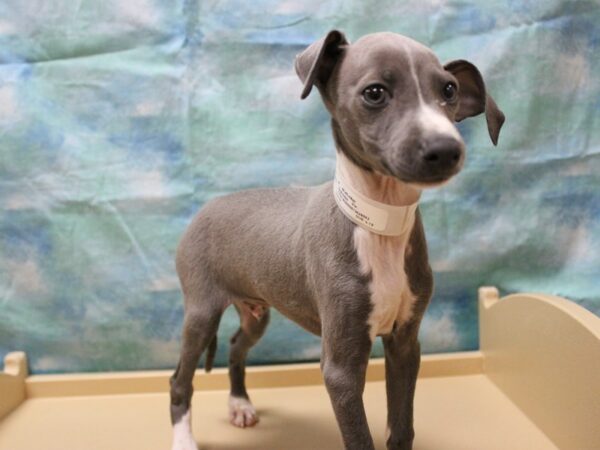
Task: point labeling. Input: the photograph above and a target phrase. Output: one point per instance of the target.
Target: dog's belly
(306, 317)
(383, 258)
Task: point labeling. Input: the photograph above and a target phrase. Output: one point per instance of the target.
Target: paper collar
(374, 216)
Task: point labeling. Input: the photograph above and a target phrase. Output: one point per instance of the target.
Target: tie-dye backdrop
(119, 119)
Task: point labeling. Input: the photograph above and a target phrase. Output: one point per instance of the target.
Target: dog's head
(394, 105)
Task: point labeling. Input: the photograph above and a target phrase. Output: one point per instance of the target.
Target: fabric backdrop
(120, 119)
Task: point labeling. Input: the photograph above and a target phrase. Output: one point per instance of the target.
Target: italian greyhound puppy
(346, 260)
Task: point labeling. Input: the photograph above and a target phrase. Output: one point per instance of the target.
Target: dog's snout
(442, 154)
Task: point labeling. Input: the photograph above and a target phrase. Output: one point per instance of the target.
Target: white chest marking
(383, 258)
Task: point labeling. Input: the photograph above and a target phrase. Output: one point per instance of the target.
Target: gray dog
(346, 260)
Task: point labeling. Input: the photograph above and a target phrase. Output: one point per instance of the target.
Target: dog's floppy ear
(473, 99)
(314, 65)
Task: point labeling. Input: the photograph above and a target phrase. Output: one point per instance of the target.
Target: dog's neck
(378, 203)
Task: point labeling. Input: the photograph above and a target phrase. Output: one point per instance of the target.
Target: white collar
(374, 216)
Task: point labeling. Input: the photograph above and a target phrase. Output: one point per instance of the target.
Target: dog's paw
(241, 412)
(183, 438)
(188, 444)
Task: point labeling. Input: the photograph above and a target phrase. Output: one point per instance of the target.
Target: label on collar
(372, 215)
(357, 209)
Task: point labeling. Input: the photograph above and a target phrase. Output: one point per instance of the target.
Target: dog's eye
(449, 92)
(375, 95)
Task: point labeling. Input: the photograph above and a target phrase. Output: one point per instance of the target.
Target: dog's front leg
(402, 359)
(344, 365)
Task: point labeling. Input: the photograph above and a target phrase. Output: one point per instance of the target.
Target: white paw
(183, 438)
(241, 412)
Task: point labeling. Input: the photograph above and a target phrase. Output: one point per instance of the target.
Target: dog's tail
(210, 354)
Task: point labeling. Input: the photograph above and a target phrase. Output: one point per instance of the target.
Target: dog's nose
(442, 154)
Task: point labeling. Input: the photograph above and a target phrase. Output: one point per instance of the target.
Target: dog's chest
(383, 258)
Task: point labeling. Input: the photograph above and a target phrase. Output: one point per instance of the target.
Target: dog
(346, 260)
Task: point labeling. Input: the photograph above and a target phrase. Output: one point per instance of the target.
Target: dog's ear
(315, 64)
(472, 97)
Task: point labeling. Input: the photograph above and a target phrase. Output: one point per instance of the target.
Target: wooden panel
(12, 382)
(544, 353)
(460, 363)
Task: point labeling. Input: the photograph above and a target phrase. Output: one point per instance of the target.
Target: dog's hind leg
(202, 316)
(253, 322)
